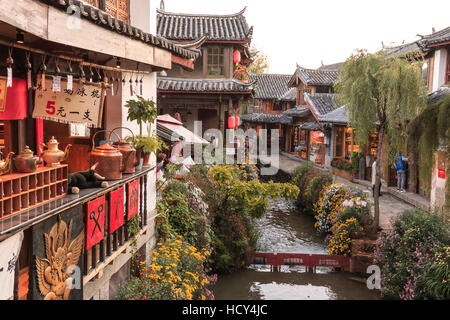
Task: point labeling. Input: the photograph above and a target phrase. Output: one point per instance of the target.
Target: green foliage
(414, 257)
(148, 144)
(381, 91)
(260, 62)
(426, 131)
(142, 111)
(356, 157)
(310, 182)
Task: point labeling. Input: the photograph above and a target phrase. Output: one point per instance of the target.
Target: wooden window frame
(447, 80)
(210, 63)
(342, 156)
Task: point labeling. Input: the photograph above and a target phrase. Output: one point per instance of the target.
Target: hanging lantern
(231, 123)
(237, 56)
(237, 121)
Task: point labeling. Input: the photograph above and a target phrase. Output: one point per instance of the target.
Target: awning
(170, 129)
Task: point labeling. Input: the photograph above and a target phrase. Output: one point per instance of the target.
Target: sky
(310, 32)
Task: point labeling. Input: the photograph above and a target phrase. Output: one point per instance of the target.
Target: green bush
(414, 257)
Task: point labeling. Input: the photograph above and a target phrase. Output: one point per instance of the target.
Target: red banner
(116, 209)
(95, 222)
(133, 199)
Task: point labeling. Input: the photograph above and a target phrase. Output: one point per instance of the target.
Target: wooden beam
(187, 63)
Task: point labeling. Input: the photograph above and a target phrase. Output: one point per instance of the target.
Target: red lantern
(237, 121)
(237, 56)
(231, 124)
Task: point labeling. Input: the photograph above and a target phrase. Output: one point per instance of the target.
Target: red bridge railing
(306, 260)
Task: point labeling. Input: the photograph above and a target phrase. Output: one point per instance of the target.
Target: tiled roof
(297, 112)
(437, 37)
(203, 85)
(182, 26)
(321, 103)
(105, 20)
(313, 126)
(438, 95)
(291, 95)
(266, 118)
(315, 77)
(331, 67)
(270, 86)
(340, 115)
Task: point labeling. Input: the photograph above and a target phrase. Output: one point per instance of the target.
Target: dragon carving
(53, 272)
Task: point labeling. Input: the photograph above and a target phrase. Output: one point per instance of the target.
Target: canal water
(283, 229)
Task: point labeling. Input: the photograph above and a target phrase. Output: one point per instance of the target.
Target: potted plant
(143, 111)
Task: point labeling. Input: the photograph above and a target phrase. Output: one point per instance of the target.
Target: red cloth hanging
(16, 101)
(231, 123)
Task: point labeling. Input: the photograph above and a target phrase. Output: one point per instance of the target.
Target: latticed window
(119, 9)
(216, 66)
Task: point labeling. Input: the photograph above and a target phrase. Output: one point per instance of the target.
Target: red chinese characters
(95, 222)
(116, 209)
(133, 199)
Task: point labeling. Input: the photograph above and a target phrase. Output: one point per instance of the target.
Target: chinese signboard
(133, 199)
(95, 222)
(2, 94)
(116, 209)
(441, 165)
(82, 104)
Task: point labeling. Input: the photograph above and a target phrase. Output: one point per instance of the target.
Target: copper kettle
(129, 162)
(108, 159)
(27, 162)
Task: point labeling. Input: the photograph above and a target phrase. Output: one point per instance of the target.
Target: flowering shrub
(176, 272)
(414, 257)
(311, 182)
(329, 206)
(340, 241)
(342, 164)
(348, 215)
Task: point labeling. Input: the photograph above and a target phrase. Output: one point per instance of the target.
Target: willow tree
(382, 93)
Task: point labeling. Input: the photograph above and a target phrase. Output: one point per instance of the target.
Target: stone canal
(285, 230)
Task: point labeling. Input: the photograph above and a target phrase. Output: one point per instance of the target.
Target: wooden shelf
(20, 192)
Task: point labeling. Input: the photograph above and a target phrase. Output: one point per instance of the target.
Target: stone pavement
(390, 206)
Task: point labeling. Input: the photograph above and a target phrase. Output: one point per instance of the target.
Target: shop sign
(441, 164)
(2, 94)
(95, 222)
(116, 209)
(82, 104)
(441, 174)
(133, 199)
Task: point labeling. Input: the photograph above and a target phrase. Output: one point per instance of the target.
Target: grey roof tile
(270, 86)
(340, 115)
(290, 96)
(203, 85)
(438, 95)
(183, 26)
(315, 77)
(321, 103)
(313, 126)
(297, 111)
(266, 118)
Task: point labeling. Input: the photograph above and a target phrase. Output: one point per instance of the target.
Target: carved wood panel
(94, 3)
(119, 9)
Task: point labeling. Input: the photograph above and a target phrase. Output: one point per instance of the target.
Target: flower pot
(146, 159)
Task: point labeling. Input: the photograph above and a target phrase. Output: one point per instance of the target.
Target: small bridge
(310, 261)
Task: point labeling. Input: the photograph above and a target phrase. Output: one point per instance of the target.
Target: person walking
(400, 166)
(374, 177)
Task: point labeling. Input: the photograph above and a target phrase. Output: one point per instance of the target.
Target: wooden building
(271, 99)
(70, 76)
(218, 85)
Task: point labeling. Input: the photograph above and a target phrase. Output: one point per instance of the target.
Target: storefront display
(108, 158)
(53, 156)
(317, 147)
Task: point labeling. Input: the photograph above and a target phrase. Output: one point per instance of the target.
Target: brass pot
(108, 160)
(26, 162)
(5, 165)
(128, 152)
(53, 156)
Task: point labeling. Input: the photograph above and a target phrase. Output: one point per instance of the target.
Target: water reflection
(285, 230)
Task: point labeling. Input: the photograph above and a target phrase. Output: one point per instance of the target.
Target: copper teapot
(108, 159)
(53, 156)
(128, 152)
(27, 162)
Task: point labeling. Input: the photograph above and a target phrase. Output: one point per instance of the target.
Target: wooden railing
(112, 242)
